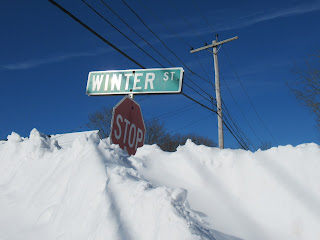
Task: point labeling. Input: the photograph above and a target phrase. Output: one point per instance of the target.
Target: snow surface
(87, 191)
(66, 139)
(94, 190)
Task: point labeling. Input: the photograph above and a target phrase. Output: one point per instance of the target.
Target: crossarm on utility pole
(214, 44)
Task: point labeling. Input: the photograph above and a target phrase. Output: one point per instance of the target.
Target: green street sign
(136, 81)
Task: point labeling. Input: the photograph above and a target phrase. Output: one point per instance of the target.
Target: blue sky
(46, 57)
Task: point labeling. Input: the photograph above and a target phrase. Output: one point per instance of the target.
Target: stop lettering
(127, 128)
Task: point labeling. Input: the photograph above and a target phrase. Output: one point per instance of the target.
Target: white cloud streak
(33, 63)
(241, 22)
(272, 15)
(238, 22)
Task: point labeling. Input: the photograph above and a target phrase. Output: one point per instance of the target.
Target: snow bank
(273, 194)
(94, 190)
(89, 191)
(66, 139)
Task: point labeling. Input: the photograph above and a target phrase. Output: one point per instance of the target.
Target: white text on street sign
(136, 81)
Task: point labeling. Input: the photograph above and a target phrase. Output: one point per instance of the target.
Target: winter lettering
(121, 82)
(135, 81)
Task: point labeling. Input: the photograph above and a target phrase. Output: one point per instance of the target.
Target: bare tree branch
(307, 87)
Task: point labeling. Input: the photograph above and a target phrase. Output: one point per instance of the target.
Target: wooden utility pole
(214, 45)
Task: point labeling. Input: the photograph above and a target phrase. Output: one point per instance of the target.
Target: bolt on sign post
(127, 125)
(135, 81)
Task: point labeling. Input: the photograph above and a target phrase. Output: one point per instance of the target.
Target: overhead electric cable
(121, 32)
(198, 92)
(229, 128)
(160, 40)
(198, 87)
(246, 93)
(154, 13)
(94, 32)
(202, 67)
(239, 137)
(243, 115)
(102, 38)
(124, 54)
(173, 113)
(103, 2)
(198, 102)
(193, 122)
(203, 16)
(237, 129)
(204, 70)
(98, 35)
(138, 45)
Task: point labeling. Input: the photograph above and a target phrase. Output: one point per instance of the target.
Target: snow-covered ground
(93, 190)
(66, 139)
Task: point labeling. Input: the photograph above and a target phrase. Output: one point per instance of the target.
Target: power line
(229, 128)
(240, 132)
(120, 32)
(167, 48)
(189, 69)
(102, 38)
(99, 36)
(160, 40)
(204, 70)
(203, 16)
(139, 46)
(131, 59)
(103, 2)
(94, 32)
(198, 92)
(246, 93)
(198, 102)
(173, 113)
(193, 122)
(163, 23)
(237, 129)
(228, 114)
(198, 87)
(236, 103)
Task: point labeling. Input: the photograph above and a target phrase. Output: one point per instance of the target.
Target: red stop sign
(127, 126)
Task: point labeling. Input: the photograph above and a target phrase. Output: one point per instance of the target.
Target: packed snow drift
(93, 190)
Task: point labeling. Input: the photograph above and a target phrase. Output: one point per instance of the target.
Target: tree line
(156, 132)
